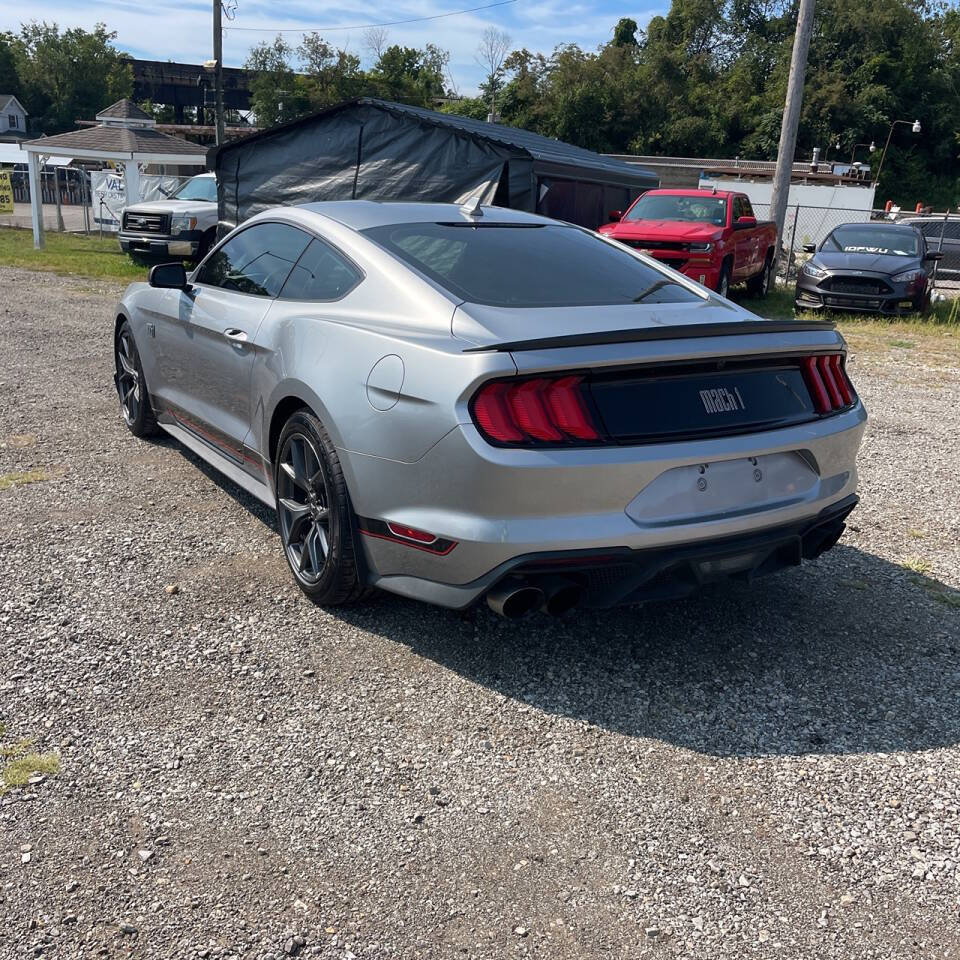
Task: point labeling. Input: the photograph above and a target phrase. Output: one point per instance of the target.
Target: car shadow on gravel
(849, 654)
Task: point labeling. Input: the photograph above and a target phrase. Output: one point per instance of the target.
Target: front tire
(317, 525)
(135, 406)
(723, 284)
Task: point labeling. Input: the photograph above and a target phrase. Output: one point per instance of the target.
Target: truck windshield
(685, 209)
(528, 264)
(199, 188)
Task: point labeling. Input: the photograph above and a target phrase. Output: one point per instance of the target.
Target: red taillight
(565, 403)
(541, 410)
(828, 383)
(826, 371)
(525, 401)
(492, 416)
(843, 381)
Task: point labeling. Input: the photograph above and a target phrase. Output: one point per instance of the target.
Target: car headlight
(812, 270)
(701, 247)
(182, 224)
(908, 276)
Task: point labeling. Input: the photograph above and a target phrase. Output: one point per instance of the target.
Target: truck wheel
(723, 284)
(759, 285)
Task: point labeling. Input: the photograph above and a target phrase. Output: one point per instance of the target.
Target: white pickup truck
(182, 226)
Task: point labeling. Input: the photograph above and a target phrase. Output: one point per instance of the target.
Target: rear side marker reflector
(826, 378)
(544, 410)
(407, 536)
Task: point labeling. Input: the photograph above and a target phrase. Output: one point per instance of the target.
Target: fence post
(56, 197)
(793, 237)
(84, 198)
(936, 263)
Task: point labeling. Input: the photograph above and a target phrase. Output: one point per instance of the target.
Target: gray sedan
(456, 402)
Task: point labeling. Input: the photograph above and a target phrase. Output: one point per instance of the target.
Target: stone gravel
(766, 771)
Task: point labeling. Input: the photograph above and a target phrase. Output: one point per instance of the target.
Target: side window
(737, 209)
(320, 274)
(256, 261)
(745, 209)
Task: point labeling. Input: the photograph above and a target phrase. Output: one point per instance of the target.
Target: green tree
(275, 93)
(68, 76)
(334, 74)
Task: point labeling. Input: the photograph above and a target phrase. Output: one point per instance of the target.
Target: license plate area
(660, 406)
(724, 489)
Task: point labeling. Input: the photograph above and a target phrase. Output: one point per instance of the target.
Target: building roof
(7, 98)
(124, 109)
(533, 144)
(125, 142)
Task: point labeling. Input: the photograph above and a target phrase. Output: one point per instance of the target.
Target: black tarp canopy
(376, 150)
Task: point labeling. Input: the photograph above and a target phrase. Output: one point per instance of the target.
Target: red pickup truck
(711, 237)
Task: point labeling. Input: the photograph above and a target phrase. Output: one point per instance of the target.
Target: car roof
(363, 214)
(691, 192)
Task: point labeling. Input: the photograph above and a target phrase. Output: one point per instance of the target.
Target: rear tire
(317, 525)
(759, 285)
(135, 406)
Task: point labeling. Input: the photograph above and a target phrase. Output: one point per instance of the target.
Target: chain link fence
(71, 201)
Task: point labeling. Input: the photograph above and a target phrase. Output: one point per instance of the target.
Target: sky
(182, 29)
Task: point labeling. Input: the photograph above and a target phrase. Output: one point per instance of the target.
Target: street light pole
(871, 146)
(218, 69)
(791, 116)
(913, 124)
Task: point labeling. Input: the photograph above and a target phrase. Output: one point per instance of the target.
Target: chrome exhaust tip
(514, 600)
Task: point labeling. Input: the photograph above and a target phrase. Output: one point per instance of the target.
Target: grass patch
(70, 254)
(18, 763)
(20, 477)
(906, 344)
(18, 772)
(917, 565)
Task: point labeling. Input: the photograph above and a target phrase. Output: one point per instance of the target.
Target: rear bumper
(500, 507)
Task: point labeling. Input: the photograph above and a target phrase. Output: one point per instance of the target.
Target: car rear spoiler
(679, 332)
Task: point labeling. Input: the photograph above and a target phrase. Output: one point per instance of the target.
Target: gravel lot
(758, 772)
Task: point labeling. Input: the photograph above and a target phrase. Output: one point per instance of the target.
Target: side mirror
(616, 216)
(933, 255)
(809, 248)
(746, 221)
(168, 276)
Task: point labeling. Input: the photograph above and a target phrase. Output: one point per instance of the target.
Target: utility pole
(791, 115)
(218, 68)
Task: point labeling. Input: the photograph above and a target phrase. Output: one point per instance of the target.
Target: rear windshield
(693, 209)
(528, 265)
(856, 238)
(199, 188)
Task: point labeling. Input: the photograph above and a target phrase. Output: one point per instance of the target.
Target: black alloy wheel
(317, 525)
(303, 500)
(135, 404)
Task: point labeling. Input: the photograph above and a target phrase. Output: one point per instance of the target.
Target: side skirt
(219, 462)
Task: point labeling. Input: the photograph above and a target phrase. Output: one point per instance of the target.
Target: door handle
(237, 336)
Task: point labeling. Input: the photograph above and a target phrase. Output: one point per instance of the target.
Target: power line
(364, 26)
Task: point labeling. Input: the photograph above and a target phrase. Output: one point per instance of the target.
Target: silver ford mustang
(455, 402)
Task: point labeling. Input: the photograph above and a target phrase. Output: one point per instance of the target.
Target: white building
(13, 119)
